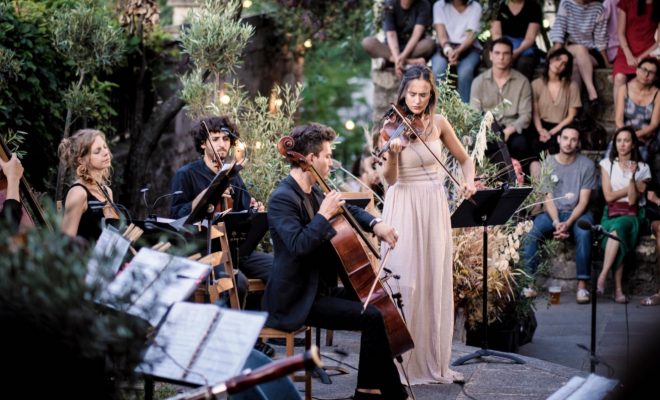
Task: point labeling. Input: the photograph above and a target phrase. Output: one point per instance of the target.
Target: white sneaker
(582, 296)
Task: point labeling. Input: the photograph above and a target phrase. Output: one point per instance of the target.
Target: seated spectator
(502, 83)
(611, 15)
(638, 106)
(581, 27)
(556, 103)
(404, 23)
(623, 179)
(457, 23)
(638, 23)
(565, 204)
(520, 22)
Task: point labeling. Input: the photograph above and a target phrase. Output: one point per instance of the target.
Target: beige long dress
(416, 206)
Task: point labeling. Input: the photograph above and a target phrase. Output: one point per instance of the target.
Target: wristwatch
(375, 222)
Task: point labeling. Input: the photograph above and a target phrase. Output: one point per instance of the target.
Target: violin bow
(208, 140)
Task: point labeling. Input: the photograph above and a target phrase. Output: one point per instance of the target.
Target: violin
(398, 126)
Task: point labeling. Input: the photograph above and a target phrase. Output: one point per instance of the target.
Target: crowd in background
(551, 91)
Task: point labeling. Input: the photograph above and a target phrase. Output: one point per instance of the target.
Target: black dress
(90, 221)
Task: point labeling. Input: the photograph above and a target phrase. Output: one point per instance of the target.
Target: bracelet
(446, 49)
(555, 222)
(375, 222)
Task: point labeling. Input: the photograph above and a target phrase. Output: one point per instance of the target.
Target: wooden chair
(266, 333)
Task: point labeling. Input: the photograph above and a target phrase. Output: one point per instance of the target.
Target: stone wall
(640, 276)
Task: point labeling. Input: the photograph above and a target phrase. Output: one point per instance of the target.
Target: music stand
(490, 207)
(245, 230)
(206, 205)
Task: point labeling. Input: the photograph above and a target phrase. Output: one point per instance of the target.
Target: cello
(29, 201)
(358, 273)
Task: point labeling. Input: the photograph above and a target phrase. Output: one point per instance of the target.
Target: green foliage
(9, 66)
(48, 313)
(216, 38)
(87, 36)
(31, 100)
(332, 77)
(91, 102)
(332, 21)
(14, 140)
(262, 121)
(196, 93)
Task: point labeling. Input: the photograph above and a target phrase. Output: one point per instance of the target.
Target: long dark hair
(565, 75)
(417, 72)
(634, 154)
(655, 13)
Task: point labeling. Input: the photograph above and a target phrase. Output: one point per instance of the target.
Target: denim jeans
(543, 229)
(465, 70)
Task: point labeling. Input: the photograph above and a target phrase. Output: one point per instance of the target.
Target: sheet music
(152, 282)
(109, 253)
(210, 344)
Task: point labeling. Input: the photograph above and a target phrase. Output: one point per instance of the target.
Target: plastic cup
(555, 294)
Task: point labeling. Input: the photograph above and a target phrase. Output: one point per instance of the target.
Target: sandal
(600, 287)
(651, 300)
(620, 298)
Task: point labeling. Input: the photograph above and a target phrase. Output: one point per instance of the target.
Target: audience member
(520, 22)
(566, 203)
(556, 103)
(623, 180)
(457, 23)
(611, 15)
(581, 27)
(499, 84)
(638, 23)
(404, 23)
(638, 106)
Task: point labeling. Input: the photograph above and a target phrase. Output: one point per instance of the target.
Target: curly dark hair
(214, 124)
(310, 138)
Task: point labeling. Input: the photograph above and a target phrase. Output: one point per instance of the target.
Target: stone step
(640, 273)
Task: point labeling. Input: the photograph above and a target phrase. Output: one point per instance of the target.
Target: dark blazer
(302, 254)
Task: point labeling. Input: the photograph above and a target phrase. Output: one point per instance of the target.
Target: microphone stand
(593, 359)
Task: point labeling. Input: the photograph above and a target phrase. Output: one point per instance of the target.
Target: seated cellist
(303, 288)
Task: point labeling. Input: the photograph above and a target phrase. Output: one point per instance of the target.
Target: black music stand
(490, 207)
(245, 230)
(206, 206)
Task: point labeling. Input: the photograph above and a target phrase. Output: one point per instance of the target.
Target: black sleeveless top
(90, 221)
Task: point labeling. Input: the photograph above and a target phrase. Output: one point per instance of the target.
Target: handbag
(620, 208)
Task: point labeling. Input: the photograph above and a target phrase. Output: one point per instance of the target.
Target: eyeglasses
(647, 71)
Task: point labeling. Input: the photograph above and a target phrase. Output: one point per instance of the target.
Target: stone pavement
(552, 358)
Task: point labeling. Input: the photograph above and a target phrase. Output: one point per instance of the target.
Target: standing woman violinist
(89, 198)
(416, 206)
